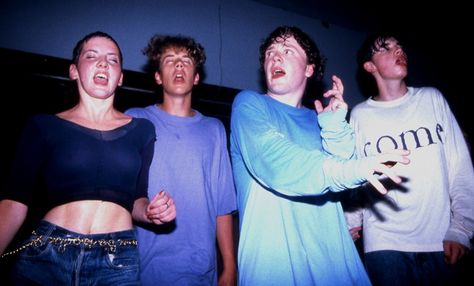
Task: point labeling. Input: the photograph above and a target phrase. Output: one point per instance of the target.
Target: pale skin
(97, 74)
(287, 71)
(389, 69)
(225, 240)
(178, 76)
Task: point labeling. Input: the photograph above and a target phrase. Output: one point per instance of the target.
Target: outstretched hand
(336, 100)
(161, 208)
(382, 165)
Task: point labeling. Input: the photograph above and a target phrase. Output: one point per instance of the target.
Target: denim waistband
(49, 233)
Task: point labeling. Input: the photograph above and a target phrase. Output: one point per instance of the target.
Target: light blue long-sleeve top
(287, 171)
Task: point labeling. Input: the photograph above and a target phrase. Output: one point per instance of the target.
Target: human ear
(73, 72)
(158, 78)
(309, 70)
(369, 67)
(196, 78)
(121, 79)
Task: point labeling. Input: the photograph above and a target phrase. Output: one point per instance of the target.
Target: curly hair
(158, 44)
(307, 44)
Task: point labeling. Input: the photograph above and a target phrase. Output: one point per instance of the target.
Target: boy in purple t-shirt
(192, 163)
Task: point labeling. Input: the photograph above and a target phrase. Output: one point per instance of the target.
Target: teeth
(102, 76)
(278, 71)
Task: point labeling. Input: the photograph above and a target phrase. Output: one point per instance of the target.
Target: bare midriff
(90, 217)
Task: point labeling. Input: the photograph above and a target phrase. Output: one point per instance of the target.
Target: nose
(102, 62)
(277, 57)
(179, 64)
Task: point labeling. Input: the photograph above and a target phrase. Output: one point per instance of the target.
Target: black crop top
(78, 163)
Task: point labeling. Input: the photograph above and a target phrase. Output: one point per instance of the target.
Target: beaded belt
(109, 244)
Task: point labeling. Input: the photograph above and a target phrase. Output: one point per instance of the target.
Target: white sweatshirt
(436, 200)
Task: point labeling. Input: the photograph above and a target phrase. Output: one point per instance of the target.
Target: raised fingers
(394, 156)
(318, 106)
(383, 169)
(336, 104)
(376, 184)
(337, 89)
(383, 165)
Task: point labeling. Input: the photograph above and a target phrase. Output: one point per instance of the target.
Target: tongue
(99, 80)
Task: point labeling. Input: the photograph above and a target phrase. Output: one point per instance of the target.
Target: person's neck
(288, 99)
(93, 113)
(389, 92)
(177, 107)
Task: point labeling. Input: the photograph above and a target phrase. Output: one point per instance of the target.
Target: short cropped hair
(76, 53)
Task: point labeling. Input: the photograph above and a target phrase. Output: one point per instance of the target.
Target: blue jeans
(62, 257)
(388, 267)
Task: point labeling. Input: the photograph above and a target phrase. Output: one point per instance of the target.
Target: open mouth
(179, 77)
(101, 78)
(278, 72)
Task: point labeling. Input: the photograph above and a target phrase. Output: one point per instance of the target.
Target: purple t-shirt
(192, 163)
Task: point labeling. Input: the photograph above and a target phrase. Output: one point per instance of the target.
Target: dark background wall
(231, 32)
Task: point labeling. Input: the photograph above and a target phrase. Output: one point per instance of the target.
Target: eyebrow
(176, 55)
(96, 51)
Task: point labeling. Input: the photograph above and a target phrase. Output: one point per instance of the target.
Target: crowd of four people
(148, 197)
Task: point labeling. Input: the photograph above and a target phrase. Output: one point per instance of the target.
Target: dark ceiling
(349, 14)
(411, 17)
